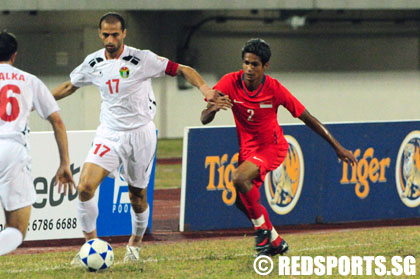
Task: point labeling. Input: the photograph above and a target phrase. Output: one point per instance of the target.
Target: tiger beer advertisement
(312, 184)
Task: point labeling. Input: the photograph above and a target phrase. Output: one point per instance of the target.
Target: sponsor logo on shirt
(238, 102)
(256, 158)
(124, 72)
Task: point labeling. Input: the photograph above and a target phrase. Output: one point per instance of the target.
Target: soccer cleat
(131, 254)
(275, 250)
(77, 261)
(262, 240)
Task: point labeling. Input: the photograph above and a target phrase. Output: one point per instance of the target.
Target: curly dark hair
(258, 47)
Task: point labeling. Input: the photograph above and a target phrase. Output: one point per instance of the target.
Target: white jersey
(128, 101)
(20, 93)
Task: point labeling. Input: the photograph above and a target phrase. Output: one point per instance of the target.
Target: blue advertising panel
(311, 185)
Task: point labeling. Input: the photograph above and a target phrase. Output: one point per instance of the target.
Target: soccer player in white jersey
(126, 135)
(20, 93)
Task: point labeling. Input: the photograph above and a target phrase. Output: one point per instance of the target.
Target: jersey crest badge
(407, 170)
(124, 72)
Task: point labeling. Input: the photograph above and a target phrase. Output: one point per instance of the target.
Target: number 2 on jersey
(251, 114)
(98, 146)
(113, 83)
(5, 101)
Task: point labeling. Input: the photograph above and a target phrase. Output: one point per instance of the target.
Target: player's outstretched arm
(222, 102)
(63, 90)
(63, 177)
(321, 130)
(208, 114)
(193, 77)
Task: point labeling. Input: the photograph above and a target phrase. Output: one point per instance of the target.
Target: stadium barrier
(54, 216)
(312, 185)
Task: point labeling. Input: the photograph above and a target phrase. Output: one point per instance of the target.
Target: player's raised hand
(346, 155)
(64, 178)
(210, 94)
(222, 101)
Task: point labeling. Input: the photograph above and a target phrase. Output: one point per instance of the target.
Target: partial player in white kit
(126, 136)
(20, 93)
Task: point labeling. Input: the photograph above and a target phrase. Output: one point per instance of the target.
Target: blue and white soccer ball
(96, 255)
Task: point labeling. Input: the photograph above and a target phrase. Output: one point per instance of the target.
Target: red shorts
(267, 158)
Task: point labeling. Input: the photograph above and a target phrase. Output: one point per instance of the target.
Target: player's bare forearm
(194, 78)
(321, 130)
(63, 177)
(63, 90)
(222, 102)
(60, 137)
(207, 116)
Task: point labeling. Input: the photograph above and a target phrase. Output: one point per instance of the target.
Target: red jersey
(255, 112)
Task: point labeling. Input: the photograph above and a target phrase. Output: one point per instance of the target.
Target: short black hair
(258, 47)
(112, 17)
(8, 45)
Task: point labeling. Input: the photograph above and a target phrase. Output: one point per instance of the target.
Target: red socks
(258, 214)
(251, 200)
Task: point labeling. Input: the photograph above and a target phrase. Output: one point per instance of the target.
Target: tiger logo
(284, 184)
(407, 170)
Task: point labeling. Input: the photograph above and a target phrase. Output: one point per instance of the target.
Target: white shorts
(16, 186)
(129, 152)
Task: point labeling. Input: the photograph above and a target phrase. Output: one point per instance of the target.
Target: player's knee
(241, 181)
(238, 179)
(86, 191)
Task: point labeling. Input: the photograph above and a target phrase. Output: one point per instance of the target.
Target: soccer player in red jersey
(255, 98)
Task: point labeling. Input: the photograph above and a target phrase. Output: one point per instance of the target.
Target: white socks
(10, 239)
(258, 222)
(274, 234)
(87, 214)
(139, 222)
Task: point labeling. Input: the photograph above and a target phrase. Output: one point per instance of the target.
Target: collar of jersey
(106, 58)
(258, 89)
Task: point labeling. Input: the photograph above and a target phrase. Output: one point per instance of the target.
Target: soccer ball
(96, 255)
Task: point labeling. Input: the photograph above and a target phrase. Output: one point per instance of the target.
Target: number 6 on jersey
(10, 102)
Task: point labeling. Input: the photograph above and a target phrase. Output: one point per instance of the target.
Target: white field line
(193, 258)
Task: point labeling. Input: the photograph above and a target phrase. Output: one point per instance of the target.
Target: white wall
(206, 4)
(350, 72)
(331, 97)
